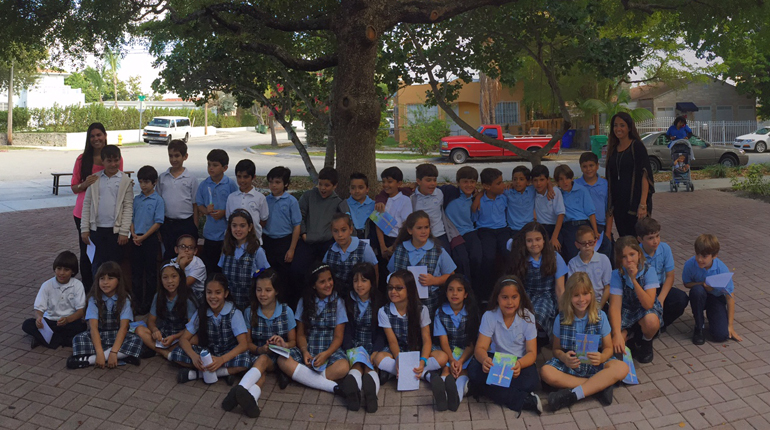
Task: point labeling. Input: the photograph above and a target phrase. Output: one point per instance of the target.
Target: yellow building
(509, 111)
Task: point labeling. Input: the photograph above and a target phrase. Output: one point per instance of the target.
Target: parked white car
(167, 128)
(756, 141)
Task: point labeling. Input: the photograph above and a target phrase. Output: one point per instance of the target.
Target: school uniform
(238, 269)
(359, 213)
(509, 340)
(197, 270)
(447, 323)
(437, 260)
(676, 301)
(466, 255)
(279, 324)
(342, 262)
(632, 310)
(109, 325)
(276, 236)
(520, 210)
(57, 301)
(330, 312)
(578, 208)
(400, 207)
(107, 211)
(547, 211)
(210, 192)
(598, 192)
(171, 324)
(494, 235)
(713, 302)
(542, 291)
(598, 269)
(360, 331)
(388, 317)
(566, 334)
(222, 330)
(254, 203)
(178, 195)
(433, 205)
(148, 211)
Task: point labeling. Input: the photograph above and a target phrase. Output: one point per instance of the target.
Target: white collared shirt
(254, 202)
(57, 300)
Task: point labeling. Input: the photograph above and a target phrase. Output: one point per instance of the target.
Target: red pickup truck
(460, 148)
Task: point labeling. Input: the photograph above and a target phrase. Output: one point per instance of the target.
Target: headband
(510, 280)
(319, 268)
(174, 265)
(244, 213)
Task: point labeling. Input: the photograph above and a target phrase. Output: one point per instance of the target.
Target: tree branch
(650, 8)
(264, 18)
(431, 11)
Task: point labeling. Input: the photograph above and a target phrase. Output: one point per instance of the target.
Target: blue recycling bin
(566, 140)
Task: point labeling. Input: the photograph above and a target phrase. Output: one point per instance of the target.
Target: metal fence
(715, 132)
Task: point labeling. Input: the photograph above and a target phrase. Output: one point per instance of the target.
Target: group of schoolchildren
(315, 291)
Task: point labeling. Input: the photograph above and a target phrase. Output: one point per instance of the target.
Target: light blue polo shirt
(148, 210)
(446, 308)
(578, 204)
(662, 262)
(284, 215)
(191, 309)
(291, 320)
(580, 325)
(599, 271)
(616, 284)
(521, 207)
(459, 212)
(509, 340)
(369, 256)
(320, 305)
(238, 326)
(547, 211)
(491, 213)
(359, 212)
(92, 311)
(444, 266)
(692, 273)
(260, 259)
(217, 193)
(561, 267)
(598, 193)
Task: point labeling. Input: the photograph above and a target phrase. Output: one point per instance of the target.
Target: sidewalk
(686, 387)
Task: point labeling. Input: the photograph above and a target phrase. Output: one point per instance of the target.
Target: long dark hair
(524, 301)
(182, 294)
(271, 275)
(109, 268)
(413, 309)
(203, 317)
(633, 134)
(411, 220)
(309, 308)
(87, 161)
(473, 319)
(375, 299)
(252, 243)
(518, 262)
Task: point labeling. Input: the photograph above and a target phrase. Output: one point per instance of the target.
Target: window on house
(507, 113)
(665, 111)
(703, 114)
(418, 112)
(4, 106)
(724, 113)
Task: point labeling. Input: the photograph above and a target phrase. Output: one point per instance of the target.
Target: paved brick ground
(714, 385)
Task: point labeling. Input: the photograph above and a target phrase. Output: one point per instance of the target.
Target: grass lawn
(135, 144)
(394, 156)
(269, 147)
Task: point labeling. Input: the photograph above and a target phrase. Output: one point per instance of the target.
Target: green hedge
(20, 119)
(78, 118)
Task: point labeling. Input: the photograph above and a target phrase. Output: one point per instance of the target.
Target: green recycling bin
(597, 143)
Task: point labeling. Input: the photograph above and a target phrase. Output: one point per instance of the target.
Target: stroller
(681, 156)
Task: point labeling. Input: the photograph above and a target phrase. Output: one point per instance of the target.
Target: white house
(47, 91)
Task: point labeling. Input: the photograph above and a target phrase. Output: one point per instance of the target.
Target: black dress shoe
(563, 398)
(698, 337)
(605, 396)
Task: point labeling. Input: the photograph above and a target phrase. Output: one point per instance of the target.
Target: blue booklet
(359, 355)
(722, 282)
(501, 372)
(585, 343)
(631, 378)
(385, 221)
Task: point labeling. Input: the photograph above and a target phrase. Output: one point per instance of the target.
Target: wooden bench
(57, 177)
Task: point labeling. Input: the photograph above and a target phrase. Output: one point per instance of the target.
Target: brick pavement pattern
(711, 386)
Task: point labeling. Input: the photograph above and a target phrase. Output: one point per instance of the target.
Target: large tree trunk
(273, 139)
(355, 111)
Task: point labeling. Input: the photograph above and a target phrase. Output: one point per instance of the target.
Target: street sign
(141, 104)
(141, 98)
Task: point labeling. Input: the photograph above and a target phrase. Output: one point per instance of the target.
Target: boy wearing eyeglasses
(597, 266)
(660, 258)
(194, 269)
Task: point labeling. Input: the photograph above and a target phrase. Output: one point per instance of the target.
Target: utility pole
(206, 120)
(9, 140)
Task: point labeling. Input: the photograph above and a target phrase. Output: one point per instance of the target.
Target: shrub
(754, 181)
(425, 134)
(20, 119)
(316, 132)
(383, 131)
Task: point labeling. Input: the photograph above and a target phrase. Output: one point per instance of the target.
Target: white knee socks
(250, 378)
(372, 374)
(92, 359)
(255, 392)
(462, 386)
(222, 372)
(388, 364)
(357, 376)
(312, 379)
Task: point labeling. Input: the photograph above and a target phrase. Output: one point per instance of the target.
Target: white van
(167, 128)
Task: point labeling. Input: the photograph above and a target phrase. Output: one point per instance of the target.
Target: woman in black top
(628, 174)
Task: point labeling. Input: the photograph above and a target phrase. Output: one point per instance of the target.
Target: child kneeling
(580, 314)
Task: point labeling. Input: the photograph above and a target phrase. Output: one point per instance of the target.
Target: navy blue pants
(606, 247)
(212, 250)
(144, 273)
(493, 243)
(107, 248)
(275, 251)
(674, 305)
(511, 397)
(62, 335)
(467, 256)
(568, 238)
(305, 256)
(549, 228)
(172, 229)
(443, 241)
(716, 312)
(86, 274)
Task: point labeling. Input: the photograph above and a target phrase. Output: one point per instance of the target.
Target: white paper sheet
(407, 380)
(422, 290)
(46, 332)
(599, 242)
(721, 282)
(91, 250)
(283, 352)
(159, 344)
